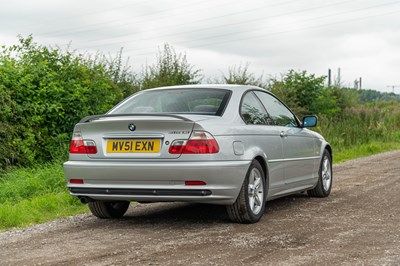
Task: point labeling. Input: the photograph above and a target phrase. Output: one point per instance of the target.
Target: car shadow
(173, 212)
(192, 213)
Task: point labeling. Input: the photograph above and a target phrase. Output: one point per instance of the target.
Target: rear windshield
(177, 101)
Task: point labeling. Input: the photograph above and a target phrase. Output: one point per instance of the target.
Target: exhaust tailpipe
(85, 200)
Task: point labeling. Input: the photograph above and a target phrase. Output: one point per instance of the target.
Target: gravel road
(359, 224)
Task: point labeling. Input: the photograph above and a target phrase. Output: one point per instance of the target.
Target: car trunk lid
(135, 136)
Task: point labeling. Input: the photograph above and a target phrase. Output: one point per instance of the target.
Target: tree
(170, 69)
(304, 93)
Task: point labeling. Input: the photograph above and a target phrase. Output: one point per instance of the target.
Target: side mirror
(310, 121)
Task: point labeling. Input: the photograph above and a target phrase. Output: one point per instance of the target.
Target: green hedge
(43, 93)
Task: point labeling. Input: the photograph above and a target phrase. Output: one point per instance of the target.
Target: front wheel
(250, 204)
(324, 185)
(107, 210)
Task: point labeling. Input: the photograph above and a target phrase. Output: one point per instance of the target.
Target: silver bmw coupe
(233, 145)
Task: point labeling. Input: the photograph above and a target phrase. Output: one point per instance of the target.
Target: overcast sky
(361, 37)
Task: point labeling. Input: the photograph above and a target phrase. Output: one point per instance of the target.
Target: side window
(252, 110)
(280, 114)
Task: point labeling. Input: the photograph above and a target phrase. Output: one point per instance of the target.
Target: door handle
(283, 134)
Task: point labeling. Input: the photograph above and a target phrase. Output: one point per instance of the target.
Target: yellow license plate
(133, 145)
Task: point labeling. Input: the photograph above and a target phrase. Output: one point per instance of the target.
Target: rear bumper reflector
(141, 192)
(76, 181)
(195, 183)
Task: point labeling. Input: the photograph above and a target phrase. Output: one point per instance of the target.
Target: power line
(245, 31)
(241, 22)
(89, 12)
(279, 32)
(57, 33)
(69, 31)
(210, 19)
(258, 36)
(100, 11)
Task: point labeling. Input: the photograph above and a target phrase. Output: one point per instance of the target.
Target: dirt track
(359, 224)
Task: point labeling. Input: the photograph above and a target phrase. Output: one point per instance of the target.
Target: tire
(249, 206)
(108, 210)
(324, 185)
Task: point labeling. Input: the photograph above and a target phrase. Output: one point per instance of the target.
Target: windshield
(183, 101)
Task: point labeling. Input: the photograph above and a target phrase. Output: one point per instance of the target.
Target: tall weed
(361, 125)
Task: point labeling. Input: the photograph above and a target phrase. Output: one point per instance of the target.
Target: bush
(241, 75)
(44, 92)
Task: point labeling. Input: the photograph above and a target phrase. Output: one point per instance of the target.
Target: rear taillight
(200, 142)
(79, 145)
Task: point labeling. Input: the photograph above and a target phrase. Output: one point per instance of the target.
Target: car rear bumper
(157, 181)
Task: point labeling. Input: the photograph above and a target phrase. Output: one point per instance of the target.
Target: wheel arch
(329, 149)
(264, 166)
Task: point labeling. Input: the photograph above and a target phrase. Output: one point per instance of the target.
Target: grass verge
(364, 150)
(39, 209)
(35, 195)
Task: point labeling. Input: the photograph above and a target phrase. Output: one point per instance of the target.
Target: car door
(262, 135)
(299, 146)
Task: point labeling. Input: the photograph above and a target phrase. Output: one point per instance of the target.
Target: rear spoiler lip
(96, 117)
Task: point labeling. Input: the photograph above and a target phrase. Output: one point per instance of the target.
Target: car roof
(232, 87)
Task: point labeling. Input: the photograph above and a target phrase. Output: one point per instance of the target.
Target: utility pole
(339, 79)
(393, 87)
(329, 78)
(357, 84)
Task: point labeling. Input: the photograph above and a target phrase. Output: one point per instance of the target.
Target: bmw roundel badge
(132, 127)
